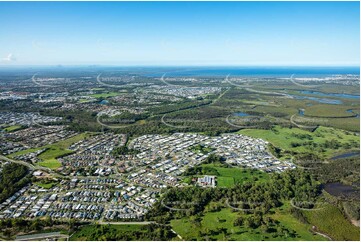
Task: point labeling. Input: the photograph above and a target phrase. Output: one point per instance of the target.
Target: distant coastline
(202, 71)
(262, 71)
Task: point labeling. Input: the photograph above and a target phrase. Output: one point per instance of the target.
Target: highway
(41, 236)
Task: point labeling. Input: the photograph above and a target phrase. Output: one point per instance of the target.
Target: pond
(351, 111)
(104, 102)
(339, 189)
(346, 155)
(241, 114)
(301, 112)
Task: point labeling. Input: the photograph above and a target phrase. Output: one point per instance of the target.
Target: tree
(238, 221)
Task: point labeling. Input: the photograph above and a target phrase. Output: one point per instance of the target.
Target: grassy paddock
(106, 94)
(228, 176)
(46, 185)
(13, 128)
(284, 137)
(54, 151)
(332, 222)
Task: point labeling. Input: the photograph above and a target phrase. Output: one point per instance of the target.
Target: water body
(301, 112)
(339, 189)
(351, 111)
(104, 102)
(342, 95)
(241, 114)
(255, 71)
(319, 100)
(346, 155)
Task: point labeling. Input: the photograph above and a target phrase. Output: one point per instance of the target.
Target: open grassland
(58, 149)
(327, 88)
(23, 152)
(105, 94)
(12, 128)
(213, 222)
(224, 181)
(46, 185)
(352, 124)
(51, 163)
(261, 103)
(275, 111)
(332, 222)
(54, 151)
(324, 88)
(285, 138)
(190, 230)
(228, 176)
(294, 103)
(83, 100)
(324, 110)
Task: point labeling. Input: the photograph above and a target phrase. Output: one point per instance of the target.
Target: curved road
(30, 166)
(300, 125)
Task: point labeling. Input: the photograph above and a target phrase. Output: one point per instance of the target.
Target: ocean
(254, 71)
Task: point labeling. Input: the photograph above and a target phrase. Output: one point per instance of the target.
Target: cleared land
(286, 138)
(105, 94)
(12, 128)
(229, 176)
(46, 185)
(54, 151)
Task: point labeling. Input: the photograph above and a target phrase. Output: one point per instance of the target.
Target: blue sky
(180, 33)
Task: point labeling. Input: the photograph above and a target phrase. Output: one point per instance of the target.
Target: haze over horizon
(180, 33)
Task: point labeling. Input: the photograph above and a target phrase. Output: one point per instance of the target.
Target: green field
(58, 149)
(54, 151)
(51, 163)
(186, 228)
(332, 222)
(46, 185)
(83, 100)
(211, 222)
(105, 94)
(22, 152)
(352, 124)
(323, 110)
(283, 215)
(12, 128)
(223, 181)
(284, 137)
(201, 149)
(228, 176)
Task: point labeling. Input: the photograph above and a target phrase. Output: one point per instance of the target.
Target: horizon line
(174, 65)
